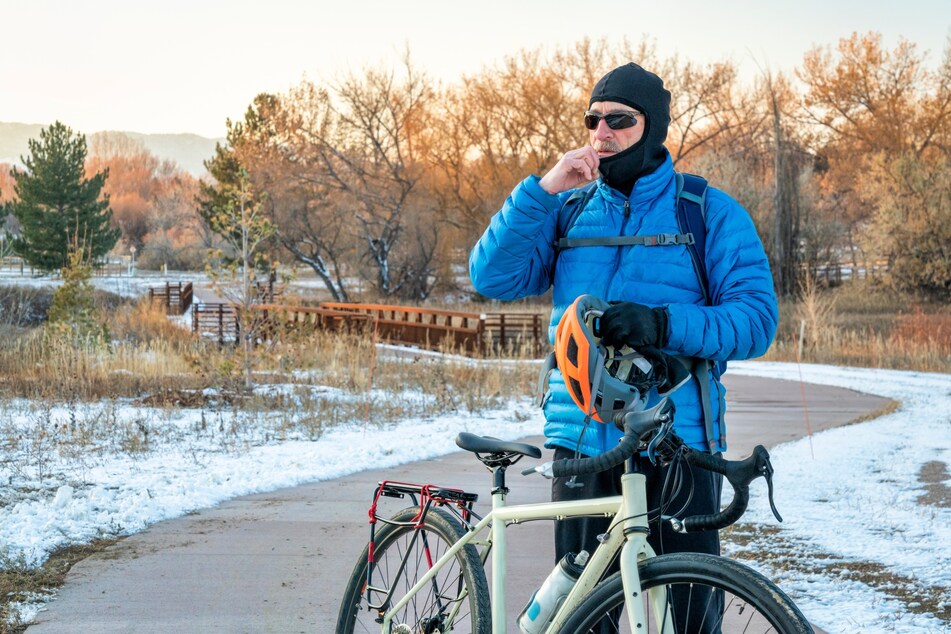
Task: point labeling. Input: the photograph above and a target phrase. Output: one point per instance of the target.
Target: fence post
(537, 332)
(502, 330)
(480, 335)
(221, 325)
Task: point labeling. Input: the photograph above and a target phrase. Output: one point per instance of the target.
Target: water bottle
(542, 606)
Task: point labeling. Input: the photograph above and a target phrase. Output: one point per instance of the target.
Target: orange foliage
(919, 327)
(152, 200)
(868, 101)
(6, 183)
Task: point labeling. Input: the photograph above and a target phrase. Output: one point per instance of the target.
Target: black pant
(580, 533)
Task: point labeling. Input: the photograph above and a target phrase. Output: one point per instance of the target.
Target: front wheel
(694, 593)
(456, 599)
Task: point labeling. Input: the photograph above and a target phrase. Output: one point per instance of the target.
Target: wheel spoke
(455, 598)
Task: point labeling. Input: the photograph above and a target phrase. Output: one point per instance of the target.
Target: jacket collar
(648, 188)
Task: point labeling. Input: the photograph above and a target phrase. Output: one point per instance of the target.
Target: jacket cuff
(531, 187)
(676, 328)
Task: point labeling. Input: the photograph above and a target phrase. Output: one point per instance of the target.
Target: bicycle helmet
(602, 380)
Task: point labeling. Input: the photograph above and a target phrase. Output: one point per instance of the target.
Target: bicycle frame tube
(497, 518)
(629, 509)
(631, 540)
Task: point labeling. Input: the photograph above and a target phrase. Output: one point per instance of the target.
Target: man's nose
(603, 131)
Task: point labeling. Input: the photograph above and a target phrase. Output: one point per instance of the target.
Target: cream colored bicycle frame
(629, 511)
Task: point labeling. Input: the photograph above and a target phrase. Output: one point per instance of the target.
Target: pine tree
(73, 316)
(228, 170)
(225, 169)
(57, 205)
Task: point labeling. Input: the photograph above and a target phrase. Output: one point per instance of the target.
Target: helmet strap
(599, 367)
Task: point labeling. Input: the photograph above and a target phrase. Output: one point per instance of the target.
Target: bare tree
(786, 170)
(362, 147)
(175, 237)
(242, 223)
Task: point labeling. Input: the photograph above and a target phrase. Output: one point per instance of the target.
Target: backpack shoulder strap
(692, 220)
(572, 209)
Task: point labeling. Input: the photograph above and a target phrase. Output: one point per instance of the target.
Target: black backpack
(691, 220)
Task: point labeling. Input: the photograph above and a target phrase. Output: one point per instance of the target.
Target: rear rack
(424, 496)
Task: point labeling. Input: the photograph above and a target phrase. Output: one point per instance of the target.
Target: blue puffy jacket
(515, 257)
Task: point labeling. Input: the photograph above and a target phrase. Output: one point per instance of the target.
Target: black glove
(635, 325)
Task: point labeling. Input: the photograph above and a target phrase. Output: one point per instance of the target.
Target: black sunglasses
(615, 120)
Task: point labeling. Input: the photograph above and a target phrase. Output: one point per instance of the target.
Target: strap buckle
(668, 239)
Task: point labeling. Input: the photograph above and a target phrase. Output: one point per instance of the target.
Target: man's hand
(634, 325)
(575, 168)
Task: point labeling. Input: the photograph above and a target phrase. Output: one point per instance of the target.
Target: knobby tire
(751, 602)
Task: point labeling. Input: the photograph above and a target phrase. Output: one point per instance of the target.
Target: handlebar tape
(595, 464)
(636, 425)
(739, 473)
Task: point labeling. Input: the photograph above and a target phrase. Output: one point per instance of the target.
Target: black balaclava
(635, 87)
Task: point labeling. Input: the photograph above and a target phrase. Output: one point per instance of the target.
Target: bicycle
(423, 570)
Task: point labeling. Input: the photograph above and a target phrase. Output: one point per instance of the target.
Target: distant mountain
(188, 150)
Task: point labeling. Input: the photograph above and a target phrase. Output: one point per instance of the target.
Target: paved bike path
(278, 562)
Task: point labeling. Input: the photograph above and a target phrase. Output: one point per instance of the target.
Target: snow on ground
(850, 494)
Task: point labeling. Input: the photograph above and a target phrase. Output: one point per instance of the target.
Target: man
(658, 298)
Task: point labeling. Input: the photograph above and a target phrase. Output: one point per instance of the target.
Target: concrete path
(278, 562)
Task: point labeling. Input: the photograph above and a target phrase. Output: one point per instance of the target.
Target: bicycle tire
(752, 603)
(461, 583)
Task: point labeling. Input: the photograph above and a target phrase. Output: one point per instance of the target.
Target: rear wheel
(456, 599)
(703, 594)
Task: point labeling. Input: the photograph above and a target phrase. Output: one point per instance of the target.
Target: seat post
(498, 480)
(499, 552)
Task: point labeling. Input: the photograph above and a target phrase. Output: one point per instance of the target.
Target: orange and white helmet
(602, 380)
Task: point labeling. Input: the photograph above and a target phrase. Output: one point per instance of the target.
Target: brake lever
(543, 469)
(766, 470)
(665, 417)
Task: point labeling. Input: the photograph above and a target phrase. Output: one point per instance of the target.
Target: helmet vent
(575, 388)
(571, 351)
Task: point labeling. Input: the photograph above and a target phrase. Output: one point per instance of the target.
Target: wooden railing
(472, 333)
(220, 322)
(423, 327)
(516, 331)
(176, 298)
(271, 319)
(216, 321)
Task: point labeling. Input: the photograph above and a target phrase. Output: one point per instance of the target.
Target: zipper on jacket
(617, 250)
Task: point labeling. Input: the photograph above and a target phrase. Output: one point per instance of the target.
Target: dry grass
(856, 324)
(19, 583)
(35, 365)
(859, 324)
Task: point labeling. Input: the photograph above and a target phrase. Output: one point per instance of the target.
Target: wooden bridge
(472, 333)
(176, 298)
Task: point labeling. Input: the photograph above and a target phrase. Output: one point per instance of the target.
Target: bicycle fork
(633, 525)
(635, 550)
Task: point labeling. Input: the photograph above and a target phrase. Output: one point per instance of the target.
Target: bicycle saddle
(489, 445)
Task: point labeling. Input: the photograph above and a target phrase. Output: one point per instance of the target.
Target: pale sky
(187, 65)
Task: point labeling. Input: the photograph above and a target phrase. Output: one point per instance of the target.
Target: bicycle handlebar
(739, 473)
(651, 430)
